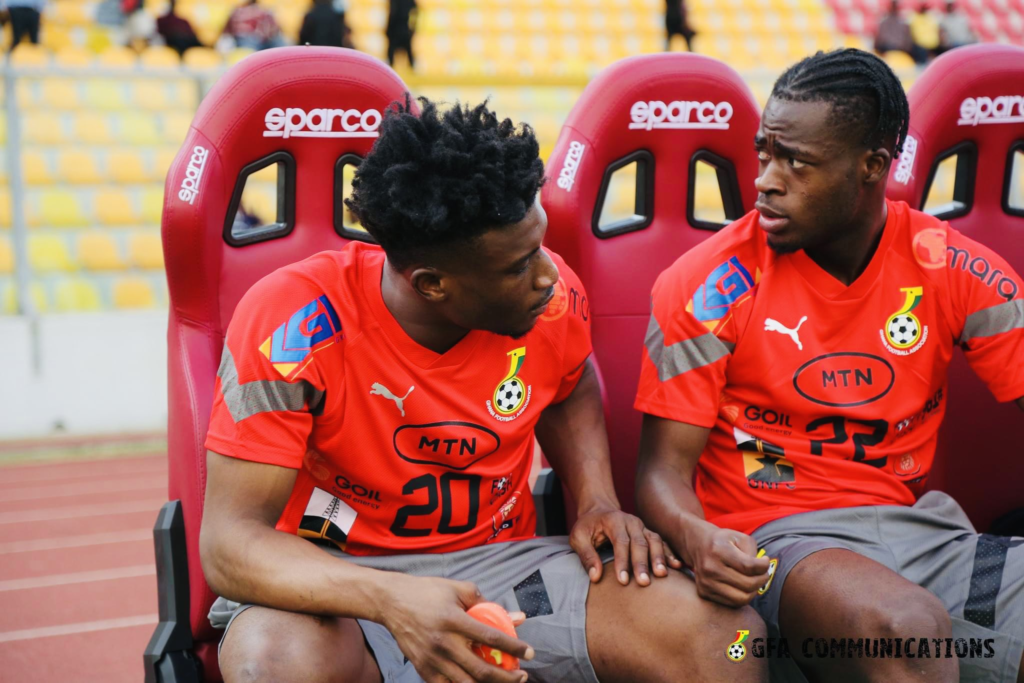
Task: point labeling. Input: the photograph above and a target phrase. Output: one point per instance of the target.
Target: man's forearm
(251, 562)
(670, 506)
(573, 437)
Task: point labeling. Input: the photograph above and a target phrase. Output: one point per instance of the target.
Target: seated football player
(796, 364)
(372, 436)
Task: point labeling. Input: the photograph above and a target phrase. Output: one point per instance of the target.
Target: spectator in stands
(254, 27)
(24, 16)
(139, 25)
(176, 31)
(954, 29)
(924, 29)
(676, 24)
(400, 28)
(893, 33)
(325, 25)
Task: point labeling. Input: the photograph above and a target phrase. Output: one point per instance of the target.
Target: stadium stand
(991, 20)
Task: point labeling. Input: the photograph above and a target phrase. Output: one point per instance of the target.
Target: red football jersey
(399, 449)
(822, 395)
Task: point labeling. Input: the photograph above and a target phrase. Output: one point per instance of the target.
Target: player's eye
(521, 270)
(763, 155)
(796, 163)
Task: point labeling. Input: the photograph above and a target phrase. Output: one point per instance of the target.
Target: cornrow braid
(861, 88)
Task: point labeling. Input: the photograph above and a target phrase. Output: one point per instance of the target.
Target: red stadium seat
(668, 113)
(264, 110)
(955, 109)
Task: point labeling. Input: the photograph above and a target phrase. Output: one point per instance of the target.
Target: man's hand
(428, 619)
(631, 541)
(725, 565)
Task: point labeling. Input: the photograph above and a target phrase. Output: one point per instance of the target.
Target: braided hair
(861, 88)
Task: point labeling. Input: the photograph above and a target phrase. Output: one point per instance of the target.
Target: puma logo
(379, 389)
(775, 326)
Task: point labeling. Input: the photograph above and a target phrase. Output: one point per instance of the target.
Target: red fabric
(253, 20)
(206, 277)
(399, 425)
(618, 272)
(982, 473)
(844, 411)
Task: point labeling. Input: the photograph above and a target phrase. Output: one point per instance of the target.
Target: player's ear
(428, 283)
(876, 165)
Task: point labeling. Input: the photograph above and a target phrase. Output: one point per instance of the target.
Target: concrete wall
(97, 373)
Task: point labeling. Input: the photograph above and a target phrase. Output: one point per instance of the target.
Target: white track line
(85, 540)
(77, 577)
(157, 462)
(81, 627)
(76, 511)
(68, 490)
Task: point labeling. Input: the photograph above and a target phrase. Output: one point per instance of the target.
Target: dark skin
(314, 597)
(820, 191)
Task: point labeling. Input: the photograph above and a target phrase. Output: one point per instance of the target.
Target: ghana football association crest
(512, 395)
(903, 333)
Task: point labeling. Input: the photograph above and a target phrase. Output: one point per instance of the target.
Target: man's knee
(915, 612)
(266, 645)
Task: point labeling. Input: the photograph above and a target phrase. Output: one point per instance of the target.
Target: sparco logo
(322, 123)
(906, 164)
(567, 176)
(1006, 109)
(193, 175)
(680, 115)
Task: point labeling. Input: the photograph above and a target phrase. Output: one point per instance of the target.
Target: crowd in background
(924, 34)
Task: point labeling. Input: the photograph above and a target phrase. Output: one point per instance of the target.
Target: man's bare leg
(269, 645)
(666, 632)
(837, 593)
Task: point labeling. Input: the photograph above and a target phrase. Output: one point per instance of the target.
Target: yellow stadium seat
(105, 94)
(28, 55)
(98, 251)
(160, 57)
(76, 295)
(73, 57)
(202, 58)
(238, 54)
(60, 93)
(152, 205)
(899, 60)
(164, 159)
(92, 128)
(5, 208)
(35, 168)
(126, 166)
(54, 37)
(175, 126)
(133, 292)
(57, 208)
(138, 128)
(9, 298)
(25, 93)
(70, 13)
(114, 207)
(150, 94)
(42, 128)
(118, 57)
(49, 253)
(78, 166)
(6, 256)
(184, 95)
(145, 250)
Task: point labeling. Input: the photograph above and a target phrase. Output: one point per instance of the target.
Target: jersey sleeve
(988, 308)
(689, 341)
(268, 386)
(577, 345)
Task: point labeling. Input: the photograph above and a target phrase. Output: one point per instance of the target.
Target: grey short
(978, 577)
(542, 577)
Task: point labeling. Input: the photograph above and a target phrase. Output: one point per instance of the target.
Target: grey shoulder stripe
(261, 396)
(995, 320)
(675, 359)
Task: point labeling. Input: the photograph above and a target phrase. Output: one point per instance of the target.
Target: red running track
(77, 575)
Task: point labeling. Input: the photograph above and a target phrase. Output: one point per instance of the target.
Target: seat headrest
(670, 106)
(305, 106)
(970, 99)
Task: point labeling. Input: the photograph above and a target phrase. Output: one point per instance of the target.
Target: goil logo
(321, 123)
(680, 115)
